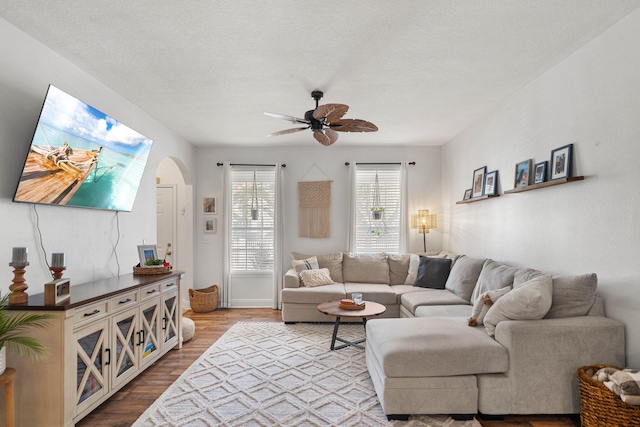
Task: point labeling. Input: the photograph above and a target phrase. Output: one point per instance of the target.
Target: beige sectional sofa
(424, 358)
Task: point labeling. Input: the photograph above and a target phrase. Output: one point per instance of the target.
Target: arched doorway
(174, 210)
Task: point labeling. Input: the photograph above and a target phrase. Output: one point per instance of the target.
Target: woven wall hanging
(314, 209)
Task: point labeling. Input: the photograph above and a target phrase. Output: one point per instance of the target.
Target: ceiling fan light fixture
(325, 121)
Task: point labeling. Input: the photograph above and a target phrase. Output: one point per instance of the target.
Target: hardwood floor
(124, 407)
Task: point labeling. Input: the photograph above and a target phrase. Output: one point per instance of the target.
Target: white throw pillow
(530, 300)
(319, 277)
(484, 303)
(310, 263)
(412, 274)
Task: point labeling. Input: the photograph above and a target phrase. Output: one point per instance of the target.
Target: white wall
(592, 99)
(424, 193)
(87, 236)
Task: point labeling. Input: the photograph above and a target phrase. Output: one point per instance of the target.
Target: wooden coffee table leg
(335, 332)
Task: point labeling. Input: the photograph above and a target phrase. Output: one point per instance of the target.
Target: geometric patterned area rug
(272, 374)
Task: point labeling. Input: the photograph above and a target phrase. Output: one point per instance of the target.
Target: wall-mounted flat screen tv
(81, 157)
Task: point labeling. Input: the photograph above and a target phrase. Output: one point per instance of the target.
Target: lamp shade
(423, 221)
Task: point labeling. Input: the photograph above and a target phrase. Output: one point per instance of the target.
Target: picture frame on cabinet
(522, 176)
(467, 195)
(491, 183)
(210, 225)
(146, 253)
(560, 163)
(540, 172)
(477, 187)
(209, 205)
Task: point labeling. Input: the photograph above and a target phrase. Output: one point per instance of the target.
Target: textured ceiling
(421, 70)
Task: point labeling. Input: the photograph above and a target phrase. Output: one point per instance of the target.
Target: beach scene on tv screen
(82, 157)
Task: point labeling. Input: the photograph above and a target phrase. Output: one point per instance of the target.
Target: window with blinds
(252, 241)
(377, 235)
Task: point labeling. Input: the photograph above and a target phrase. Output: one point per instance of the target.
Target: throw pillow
(398, 268)
(493, 276)
(305, 264)
(319, 277)
(572, 295)
(482, 305)
(531, 300)
(412, 273)
(464, 275)
(433, 272)
(331, 261)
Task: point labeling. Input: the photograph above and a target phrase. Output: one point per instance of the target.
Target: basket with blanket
(609, 396)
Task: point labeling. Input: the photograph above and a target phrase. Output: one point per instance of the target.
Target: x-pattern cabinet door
(92, 343)
(125, 348)
(149, 338)
(170, 319)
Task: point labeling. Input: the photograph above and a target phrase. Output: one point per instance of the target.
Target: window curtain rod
(411, 163)
(247, 164)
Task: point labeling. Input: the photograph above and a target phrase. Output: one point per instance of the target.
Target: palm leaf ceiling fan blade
(353, 125)
(330, 112)
(325, 121)
(287, 131)
(325, 137)
(288, 118)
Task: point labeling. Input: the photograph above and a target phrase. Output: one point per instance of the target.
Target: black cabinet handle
(96, 311)
(152, 291)
(139, 341)
(142, 337)
(108, 362)
(125, 301)
(164, 323)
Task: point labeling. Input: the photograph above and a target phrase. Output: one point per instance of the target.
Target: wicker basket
(599, 406)
(204, 300)
(151, 270)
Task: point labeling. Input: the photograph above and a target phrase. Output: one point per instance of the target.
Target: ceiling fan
(325, 121)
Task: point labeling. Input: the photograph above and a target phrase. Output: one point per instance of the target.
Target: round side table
(6, 380)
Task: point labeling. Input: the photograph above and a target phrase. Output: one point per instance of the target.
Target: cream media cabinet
(104, 336)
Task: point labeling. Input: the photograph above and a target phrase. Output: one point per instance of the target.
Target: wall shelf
(544, 184)
(477, 199)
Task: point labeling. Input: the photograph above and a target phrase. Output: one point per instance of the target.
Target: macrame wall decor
(314, 208)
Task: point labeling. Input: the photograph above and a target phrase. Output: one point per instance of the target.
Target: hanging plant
(378, 225)
(254, 199)
(377, 210)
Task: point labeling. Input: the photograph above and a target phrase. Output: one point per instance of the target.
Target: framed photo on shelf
(523, 174)
(467, 195)
(491, 183)
(477, 189)
(540, 172)
(209, 205)
(146, 253)
(210, 225)
(560, 163)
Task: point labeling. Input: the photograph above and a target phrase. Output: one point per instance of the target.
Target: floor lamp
(423, 221)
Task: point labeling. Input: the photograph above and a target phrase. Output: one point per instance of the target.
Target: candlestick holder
(18, 288)
(57, 272)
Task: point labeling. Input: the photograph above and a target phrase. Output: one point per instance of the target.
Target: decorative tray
(347, 304)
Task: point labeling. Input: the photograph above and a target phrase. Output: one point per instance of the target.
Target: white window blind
(378, 235)
(252, 241)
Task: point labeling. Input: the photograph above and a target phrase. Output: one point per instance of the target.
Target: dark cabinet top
(93, 291)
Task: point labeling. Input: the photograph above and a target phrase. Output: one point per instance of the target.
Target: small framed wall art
(491, 183)
(561, 162)
(523, 172)
(540, 172)
(477, 188)
(467, 195)
(147, 253)
(209, 205)
(210, 225)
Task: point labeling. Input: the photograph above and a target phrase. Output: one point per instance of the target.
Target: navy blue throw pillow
(433, 272)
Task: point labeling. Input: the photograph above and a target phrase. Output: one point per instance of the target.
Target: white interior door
(166, 222)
